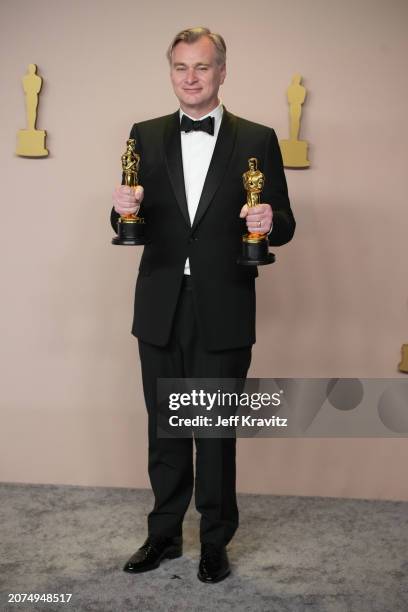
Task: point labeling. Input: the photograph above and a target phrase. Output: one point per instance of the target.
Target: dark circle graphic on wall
(345, 393)
(393, 407)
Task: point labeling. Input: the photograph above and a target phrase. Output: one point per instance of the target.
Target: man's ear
(223, 73)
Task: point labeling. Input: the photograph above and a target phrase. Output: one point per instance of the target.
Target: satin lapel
(174, 162)
(219, 162)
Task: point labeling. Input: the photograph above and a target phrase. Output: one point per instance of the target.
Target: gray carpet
(290, 554)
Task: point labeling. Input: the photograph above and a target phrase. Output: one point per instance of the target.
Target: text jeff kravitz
(231, 421)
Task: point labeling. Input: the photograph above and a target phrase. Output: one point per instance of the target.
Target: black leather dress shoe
(153, 551)
(214, 564)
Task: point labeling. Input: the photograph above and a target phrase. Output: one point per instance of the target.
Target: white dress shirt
(197, 149)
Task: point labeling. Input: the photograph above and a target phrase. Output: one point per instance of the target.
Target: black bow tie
(205, 125)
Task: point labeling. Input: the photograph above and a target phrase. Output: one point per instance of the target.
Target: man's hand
(258, 218)
(127, 200)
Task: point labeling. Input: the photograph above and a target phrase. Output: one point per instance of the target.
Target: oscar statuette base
(255, 252)
(403, 364)
(294, 153)
(131, 232)
(31, 143)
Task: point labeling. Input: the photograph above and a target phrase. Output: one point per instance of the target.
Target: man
(194, 311)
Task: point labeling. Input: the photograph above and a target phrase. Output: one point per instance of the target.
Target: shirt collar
(216, 113)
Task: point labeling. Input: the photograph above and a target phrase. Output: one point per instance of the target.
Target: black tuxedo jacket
(224, 292)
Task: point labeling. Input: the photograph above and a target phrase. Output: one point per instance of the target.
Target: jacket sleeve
(114, 216)
(275, 193)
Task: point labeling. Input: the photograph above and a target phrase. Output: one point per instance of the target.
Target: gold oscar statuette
(31, 142)
(130, 227)
(255, 247)
(294, 151)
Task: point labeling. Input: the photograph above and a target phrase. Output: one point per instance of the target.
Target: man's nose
(191, 75)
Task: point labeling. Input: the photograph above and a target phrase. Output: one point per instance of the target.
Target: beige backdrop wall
(335, 304)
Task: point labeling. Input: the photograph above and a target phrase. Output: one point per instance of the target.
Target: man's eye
(203, 67)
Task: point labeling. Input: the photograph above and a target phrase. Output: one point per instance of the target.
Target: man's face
(196, 76)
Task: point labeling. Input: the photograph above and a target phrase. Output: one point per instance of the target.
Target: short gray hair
(190, 35)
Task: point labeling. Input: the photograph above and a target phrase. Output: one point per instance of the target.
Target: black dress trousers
(170, 461)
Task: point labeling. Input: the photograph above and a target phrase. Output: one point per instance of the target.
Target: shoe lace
(152, 542)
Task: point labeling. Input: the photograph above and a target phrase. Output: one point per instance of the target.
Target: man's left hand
(258, 218)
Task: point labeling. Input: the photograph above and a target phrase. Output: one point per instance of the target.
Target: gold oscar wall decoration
(294, 151)
(403, 364)
(31, 142)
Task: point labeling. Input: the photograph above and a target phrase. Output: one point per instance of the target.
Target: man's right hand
(127, 200)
